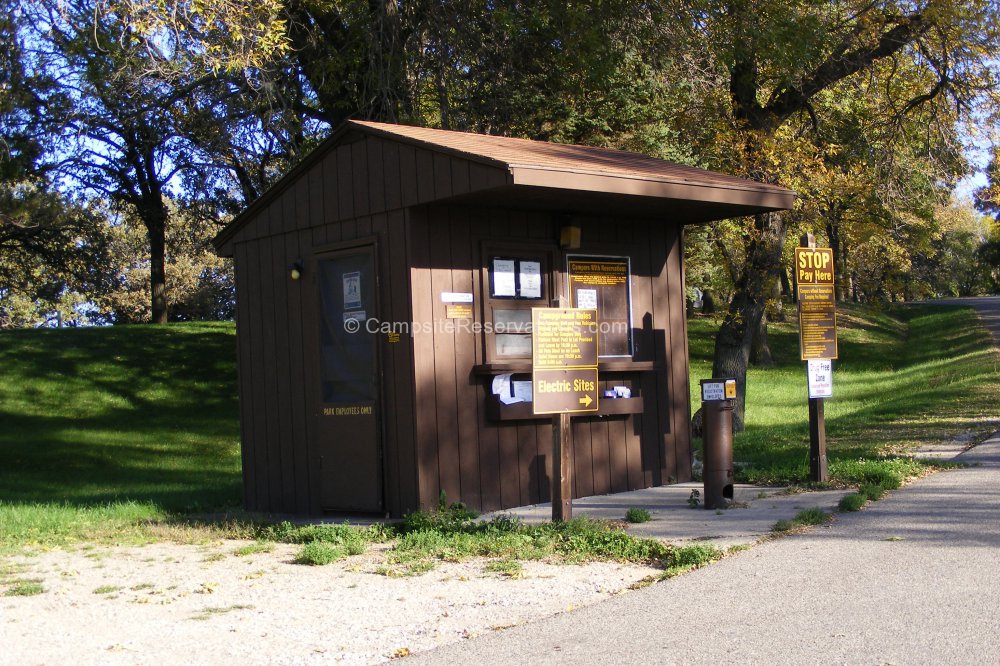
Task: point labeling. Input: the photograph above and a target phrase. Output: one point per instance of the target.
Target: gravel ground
(182, 604)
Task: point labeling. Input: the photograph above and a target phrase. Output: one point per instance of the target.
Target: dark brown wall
(357, 191)
(436, 431)
(490, 464)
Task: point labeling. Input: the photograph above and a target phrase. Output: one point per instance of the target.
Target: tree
(773, 60)
(199, 284)
(51, 255)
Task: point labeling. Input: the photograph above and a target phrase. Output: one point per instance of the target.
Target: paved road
(987, 306)
(913, 579)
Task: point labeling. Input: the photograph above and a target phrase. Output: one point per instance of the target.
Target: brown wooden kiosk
(382, 288)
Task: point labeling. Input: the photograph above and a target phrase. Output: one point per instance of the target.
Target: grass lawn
(906, 377)
(108, 427)
(115, 435)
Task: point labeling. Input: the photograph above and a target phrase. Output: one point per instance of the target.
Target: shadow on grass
(130, 413)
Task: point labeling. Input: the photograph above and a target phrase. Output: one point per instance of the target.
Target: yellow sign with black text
(817, 302)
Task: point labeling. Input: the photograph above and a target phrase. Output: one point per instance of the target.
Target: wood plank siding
(456, 434)
(434, 207)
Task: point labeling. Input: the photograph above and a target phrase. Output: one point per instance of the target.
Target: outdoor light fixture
(569, 237)
(295, 269)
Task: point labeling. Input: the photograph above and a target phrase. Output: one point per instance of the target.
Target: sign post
(564, 382)
(817, 341)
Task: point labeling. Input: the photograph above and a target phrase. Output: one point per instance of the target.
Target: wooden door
(349, 409)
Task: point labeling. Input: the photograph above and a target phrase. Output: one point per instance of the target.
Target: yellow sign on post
(817, 302)
(564, 360)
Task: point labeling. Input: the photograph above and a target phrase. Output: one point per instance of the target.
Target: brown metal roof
(526, 154)
(557, 176)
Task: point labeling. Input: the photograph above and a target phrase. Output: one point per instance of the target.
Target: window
(518, 281)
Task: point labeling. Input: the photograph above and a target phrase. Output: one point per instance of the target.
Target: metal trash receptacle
(717, 439)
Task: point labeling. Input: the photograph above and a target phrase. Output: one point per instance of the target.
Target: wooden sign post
(564, 382)
(817, 336)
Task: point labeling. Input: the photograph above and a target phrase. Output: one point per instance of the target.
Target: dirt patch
(170, 603)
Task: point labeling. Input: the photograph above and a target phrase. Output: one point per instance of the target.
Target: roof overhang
(685, 195)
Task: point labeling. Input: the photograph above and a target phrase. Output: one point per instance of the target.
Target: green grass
(638, 515)
(905, 377)
(852, 502)
(24, 588)
(121, 435)
(106, 429)
(804, 518)
(255, 548)
(318, 553)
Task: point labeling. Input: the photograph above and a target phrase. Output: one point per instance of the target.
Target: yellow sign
(459, 311)
(730, 389)
(564, 360)
(813, 265)
(817, 302)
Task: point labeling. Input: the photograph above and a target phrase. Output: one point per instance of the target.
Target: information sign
(817, 303)
(564, 360)
(820, 372)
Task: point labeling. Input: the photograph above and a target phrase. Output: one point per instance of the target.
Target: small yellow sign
(459, 311)
(730, 389)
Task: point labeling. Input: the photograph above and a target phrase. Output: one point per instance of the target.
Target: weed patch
(318, 553)
(852, 502)
(24, 588)
(804, 518)
(506, 568)
(255, 548)
(638, 515)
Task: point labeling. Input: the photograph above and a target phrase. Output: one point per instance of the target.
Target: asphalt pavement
(988, 308)
(912, 579)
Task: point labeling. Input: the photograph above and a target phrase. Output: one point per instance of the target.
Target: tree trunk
(760, 351)
(156, 226)
(733, 341)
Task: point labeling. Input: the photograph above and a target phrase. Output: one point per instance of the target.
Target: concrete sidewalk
(755, 511)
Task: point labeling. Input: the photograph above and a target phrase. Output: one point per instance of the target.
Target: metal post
(562, 479)
(818, 471)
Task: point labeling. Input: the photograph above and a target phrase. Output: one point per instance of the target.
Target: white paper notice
(503, 278)
(501, 389)
(522, 391)
(586, 299)
(352, 290)
(820, 372)
(531, 279)
(456, 297)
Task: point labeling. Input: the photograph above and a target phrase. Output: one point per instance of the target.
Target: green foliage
(852, 502)
(317, 553)
(351, 540)
(507, 568)
(813, 516)
(872, 491)
(804, 518)
(255, 548)
(638, 515)
(446, 518)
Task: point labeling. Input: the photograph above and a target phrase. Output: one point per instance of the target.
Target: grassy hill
(109, 434)
(104, 425)
(905, 377)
